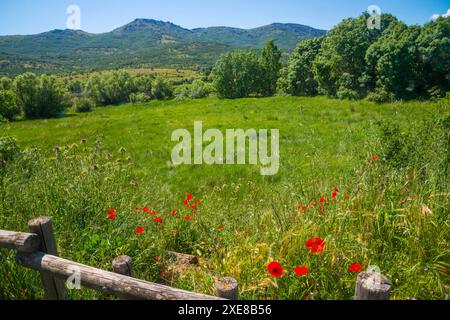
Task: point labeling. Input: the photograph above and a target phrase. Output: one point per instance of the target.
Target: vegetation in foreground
(364, 189)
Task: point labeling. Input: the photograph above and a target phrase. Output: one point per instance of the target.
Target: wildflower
(145, 210)
(158, 220)
(220, 228)
(315, 245)
(301, 271)
(275, 269)
(112, 216)
(313, 204)
(187, 218)
(355, 267)
(334, 195)
(322, 201)
(303, 209)
(158, 259)
(174, 212)
(153, 213)
(112, 211)
(139, 230)
(375, 158)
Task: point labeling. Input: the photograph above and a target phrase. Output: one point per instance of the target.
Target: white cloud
(436, 15)
(447, 14)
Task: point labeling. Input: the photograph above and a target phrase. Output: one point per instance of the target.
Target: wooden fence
(37, 250)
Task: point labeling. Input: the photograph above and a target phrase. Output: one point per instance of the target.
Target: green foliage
(139, 97)
(238, 74)
(8, 148)
(41, 96)
(299, 78)
(198, 89)
(271, 66)
(83, 105)
(161, 89)
(434, 46)
(8, 104)
(396, 61)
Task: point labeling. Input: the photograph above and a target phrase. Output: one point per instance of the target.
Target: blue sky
(34, 16)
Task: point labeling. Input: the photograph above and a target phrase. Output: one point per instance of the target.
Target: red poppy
(336, 189)
(220, 227)
(186, 202)
(313, 204)
(275, 269)
(355, 267)
(322, 201)
(158, 259)
(153, 213)
(145, 210)
(189, 197)
(112, 216)
(174, 212)
(375, 158)
(301, 271)
(112, 211)
(315, 245)
(139, 230)
(158, 220)
(187, 218)
(334, 195)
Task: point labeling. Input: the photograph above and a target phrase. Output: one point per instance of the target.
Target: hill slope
(143, 42)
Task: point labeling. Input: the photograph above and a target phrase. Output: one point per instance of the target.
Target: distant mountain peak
(144, 24)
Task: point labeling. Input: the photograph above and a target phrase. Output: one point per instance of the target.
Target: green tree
(271, 65)
(299, 77)
(161, 89)
(237, 74)
(340, 67)
(434, 46)
(396, 61)
(8, 104)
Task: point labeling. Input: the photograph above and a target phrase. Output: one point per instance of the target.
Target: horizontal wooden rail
(23, 242)
(105, 281)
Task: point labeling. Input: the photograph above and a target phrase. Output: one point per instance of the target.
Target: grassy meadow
(387, 163)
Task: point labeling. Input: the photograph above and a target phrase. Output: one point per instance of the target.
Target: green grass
(324, 144)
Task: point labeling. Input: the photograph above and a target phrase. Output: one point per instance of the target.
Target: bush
(161, 90)
(84, 105)
(345, 93)
(139, 97)
(380, 96)
(8, 104)
(198, 89)
(8, 148)
(44, 96)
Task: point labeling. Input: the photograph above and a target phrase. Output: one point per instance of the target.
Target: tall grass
(391, 212)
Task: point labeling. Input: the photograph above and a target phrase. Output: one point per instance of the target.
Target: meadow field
(370, 181)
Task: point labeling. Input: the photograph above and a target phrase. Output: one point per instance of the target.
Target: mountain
(142, 42)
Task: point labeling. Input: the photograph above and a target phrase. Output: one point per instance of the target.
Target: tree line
(351, 62)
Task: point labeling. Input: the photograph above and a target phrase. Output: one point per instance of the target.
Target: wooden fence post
(372, 286)
(227, 288)
(122, 265)
(54, 288)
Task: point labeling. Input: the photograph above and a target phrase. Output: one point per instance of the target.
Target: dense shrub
(83, 104)
(139, 97)
(161, 89)
(41, 96)
(8, 104)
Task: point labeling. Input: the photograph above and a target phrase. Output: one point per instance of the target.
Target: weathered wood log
(227, 288)
(54, 289)
(24, 242)
(183, 258)
(372, 286)
(105, 281)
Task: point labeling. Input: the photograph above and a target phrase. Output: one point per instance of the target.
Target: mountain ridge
(142, 42)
